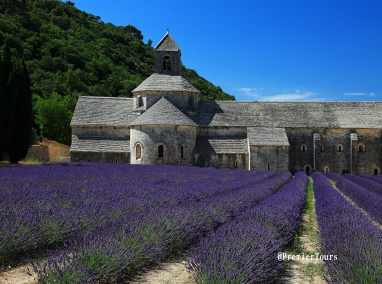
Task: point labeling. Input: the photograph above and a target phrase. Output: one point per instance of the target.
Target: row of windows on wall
(339, 148)
(160, 148)
(327, 170)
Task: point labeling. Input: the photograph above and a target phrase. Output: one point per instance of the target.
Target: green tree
(7, 100)
(55, 114)
(22, 136)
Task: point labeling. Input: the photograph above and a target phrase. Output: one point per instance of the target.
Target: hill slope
(69, 53)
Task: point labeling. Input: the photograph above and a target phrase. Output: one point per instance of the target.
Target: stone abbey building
(166, 123)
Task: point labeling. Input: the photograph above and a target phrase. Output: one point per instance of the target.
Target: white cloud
(298, 96)
(250, 92)
(355, 94)
(372, 94)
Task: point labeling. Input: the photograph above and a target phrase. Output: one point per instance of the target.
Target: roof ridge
(99, 97)
(163, 112)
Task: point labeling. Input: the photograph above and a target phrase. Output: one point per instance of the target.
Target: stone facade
(166, 123)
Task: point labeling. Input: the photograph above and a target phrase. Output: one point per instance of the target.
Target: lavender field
(96, 223)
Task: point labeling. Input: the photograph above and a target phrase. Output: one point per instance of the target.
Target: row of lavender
(362, 191)
(45, 205)
(346, 233)
(246, 249)
(136, 239)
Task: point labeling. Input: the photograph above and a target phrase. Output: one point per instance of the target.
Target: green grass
(307, 234)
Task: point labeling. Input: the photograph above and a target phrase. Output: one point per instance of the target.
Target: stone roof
(167, 43)
(221, 144)
(103, 111)
(99, 145)
(109, 111)
(163, 113)
(290, 114)
(162, 82)
(267, 136)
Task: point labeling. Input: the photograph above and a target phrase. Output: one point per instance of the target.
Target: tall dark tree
(22, 130)
(7, 101)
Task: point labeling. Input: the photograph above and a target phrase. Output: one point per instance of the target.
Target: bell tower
(167, 57)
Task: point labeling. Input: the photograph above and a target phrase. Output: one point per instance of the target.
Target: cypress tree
(7, 101)
(22, 130)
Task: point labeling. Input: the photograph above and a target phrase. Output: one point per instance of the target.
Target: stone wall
(184, 101)
(270, 158)
(335, 150)
(38, 152)
(121, 133)
(49, 151)
(108, 157)
(172, 138)
(222, 160)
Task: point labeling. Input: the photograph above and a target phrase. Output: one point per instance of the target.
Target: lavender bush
(159, 231)
(365, 199)
(46, 205)
(245, 250)
(347, 233)
(374, 183)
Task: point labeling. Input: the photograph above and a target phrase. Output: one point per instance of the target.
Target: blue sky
(285, 50)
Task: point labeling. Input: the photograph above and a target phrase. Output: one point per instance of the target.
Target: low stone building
(166, 123)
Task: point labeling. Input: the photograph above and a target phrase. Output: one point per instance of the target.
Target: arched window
(207, 163)
(326, 170)
(340, 147)
(160, 151)
(322, 148)
(303, 148)
(166, 63)
(138, 151)
(361, 148)
(236, 164)
(269, 166)
(116, 161)
(376, 172)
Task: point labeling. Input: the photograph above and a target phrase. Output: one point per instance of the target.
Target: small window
(322, 148)
(269, 166)
(166, 63)
(207, 163)
(236, 164)
(303, 148)
(116, 161)
(140, 101)
(375, 172)
(138, 151)
(160, 151)
(361, 148)
(340, 148)
(326, 170)
(182, 151)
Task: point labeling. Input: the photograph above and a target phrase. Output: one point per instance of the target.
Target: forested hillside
(69, 52)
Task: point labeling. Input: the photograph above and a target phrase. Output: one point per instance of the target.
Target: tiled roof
(103, 111)
(290, 114)
(164, 113)
(162, 82)
(108, 111)
(267, 136)
(221, 144)
(167, 43)
(99, 145)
